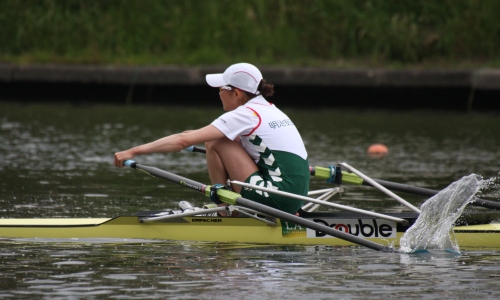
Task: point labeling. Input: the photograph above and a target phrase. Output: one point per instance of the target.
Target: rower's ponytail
(266, 89)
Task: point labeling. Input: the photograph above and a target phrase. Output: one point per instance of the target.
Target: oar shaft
(310, 224)
(317, 201)
(398, 187)
(351, 178)
(194, 185)
(234, 198)
(429, 193)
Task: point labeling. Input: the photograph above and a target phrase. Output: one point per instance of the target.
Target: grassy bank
(343, 33)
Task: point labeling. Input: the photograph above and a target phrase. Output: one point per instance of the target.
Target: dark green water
(56, 161)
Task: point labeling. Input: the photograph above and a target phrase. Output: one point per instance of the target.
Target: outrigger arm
(321, 202)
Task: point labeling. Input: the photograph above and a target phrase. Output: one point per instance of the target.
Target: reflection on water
(157, 270)
(56, 161)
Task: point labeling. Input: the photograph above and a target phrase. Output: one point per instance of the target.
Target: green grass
(341, 33)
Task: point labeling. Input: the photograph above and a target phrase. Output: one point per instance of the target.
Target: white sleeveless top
(260, 118)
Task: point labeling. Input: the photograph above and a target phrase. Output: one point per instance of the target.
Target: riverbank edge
(444, 89)
(479, 79)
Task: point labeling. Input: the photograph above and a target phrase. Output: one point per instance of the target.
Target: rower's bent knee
(211, 145)
(223, 143)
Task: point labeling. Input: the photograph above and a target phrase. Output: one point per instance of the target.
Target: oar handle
(130, 163)
(195, 149)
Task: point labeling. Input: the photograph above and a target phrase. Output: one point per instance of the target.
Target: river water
(56, 161)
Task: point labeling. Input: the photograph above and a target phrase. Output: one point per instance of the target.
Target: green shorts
(296, 185)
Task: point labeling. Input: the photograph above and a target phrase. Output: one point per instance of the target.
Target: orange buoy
(378, 150)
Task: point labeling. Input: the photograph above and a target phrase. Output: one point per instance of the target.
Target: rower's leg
(228, 159)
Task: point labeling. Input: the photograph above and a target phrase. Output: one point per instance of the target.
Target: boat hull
(234, 230)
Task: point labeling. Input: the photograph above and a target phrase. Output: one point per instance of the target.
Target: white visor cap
(243, 76)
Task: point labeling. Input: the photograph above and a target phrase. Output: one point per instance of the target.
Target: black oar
(233, 198)
(321, 172)
(351, 178)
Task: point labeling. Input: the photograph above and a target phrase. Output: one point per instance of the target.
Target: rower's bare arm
(171, 143)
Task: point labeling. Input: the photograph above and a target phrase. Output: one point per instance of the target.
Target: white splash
(433, 228)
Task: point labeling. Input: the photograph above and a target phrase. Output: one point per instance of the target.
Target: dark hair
(266, 89)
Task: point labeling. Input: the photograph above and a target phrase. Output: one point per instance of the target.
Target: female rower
(253, 142)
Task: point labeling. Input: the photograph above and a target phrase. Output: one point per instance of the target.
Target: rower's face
(227, 96)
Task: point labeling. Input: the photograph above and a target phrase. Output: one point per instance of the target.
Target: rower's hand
(122, 156)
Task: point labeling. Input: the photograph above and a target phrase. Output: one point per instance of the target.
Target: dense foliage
(273, 32)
